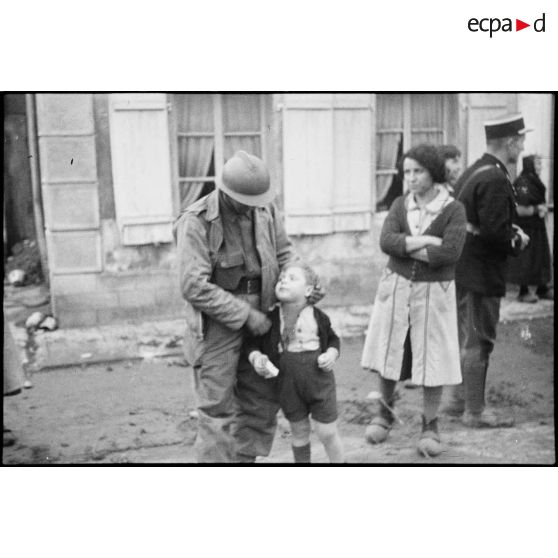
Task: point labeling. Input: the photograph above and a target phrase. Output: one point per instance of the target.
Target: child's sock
(301, 453)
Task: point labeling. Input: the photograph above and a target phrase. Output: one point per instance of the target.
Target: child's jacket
(269, 343)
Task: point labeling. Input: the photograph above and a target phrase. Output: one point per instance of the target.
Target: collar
(488, 158)
(434, 206)
(212, 211)
(230, 209)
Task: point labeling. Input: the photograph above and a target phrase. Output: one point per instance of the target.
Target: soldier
(231, 246)
(487, 194)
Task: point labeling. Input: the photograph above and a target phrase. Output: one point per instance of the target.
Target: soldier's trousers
(478, 317)
(237, 407)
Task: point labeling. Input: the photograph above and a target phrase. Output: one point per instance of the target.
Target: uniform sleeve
(392, 238)
(194, 271)
(253, 343)
(283, 248)
(453, 239)
(495, 213)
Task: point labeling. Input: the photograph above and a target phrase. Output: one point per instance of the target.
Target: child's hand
(262, 365)
(327, 360)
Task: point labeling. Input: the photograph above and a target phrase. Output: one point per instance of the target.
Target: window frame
(407, 130)
(219, 136)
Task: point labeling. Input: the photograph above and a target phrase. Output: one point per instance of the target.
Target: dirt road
(138, 412)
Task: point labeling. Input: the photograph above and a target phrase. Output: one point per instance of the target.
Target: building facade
(116, 170)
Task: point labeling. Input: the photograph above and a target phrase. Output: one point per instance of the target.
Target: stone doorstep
(81, 346)
(146, 340)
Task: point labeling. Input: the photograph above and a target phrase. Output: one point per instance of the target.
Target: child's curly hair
(312, 280)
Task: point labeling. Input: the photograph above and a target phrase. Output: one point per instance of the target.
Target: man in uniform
(487, 194)
(231, 245)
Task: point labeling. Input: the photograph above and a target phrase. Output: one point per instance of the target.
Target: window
(403, 121)
(209, 129)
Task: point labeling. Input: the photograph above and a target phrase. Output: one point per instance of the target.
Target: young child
(304, 347)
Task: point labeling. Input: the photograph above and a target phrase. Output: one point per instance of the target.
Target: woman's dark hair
(448, 152)
(427, 156)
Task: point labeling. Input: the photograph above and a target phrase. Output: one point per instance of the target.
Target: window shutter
(141, 167)
(327, 162)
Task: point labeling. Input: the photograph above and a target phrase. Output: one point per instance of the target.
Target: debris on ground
(49, 324)
(33, 321)
(38, 320)
(150, 342)
(16, 277)
(176, 341)
(25, 258)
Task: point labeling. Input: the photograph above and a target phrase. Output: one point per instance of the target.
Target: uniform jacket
(490, 206)
(202, 253)
(268, 344)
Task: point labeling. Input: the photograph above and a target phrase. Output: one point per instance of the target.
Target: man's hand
(523, 238)
(257, 322)
(327, 360)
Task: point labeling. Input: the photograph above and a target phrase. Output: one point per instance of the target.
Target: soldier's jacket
(201, 250)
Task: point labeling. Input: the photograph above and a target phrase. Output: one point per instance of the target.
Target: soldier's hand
(258, 323)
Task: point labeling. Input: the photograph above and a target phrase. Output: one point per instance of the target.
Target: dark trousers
(237, 408)
(478, 317)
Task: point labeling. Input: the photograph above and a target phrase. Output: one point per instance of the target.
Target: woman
(413, 327)
(532, 266)
(451, 156)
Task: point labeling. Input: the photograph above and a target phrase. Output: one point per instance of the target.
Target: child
(302, 344)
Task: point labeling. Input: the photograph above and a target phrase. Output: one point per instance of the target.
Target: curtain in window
(241, 124)
(389, 125)
(194, 116)
(427, 119)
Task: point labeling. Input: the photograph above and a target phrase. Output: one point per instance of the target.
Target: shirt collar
(435, 205)
(230, 210)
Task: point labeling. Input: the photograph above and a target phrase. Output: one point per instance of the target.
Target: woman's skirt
(532, 266)
(427, 312)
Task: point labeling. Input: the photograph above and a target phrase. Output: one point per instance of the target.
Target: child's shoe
(429, 444)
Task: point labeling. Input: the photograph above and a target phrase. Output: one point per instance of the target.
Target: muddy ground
(139, 412)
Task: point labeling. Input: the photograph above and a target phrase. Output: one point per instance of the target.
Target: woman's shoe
(429, 444)
(378, 430)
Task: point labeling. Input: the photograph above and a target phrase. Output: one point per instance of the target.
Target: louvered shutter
(141, 167)
(327, 162)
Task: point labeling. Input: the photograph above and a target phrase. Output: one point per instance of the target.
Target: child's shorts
(305, 389)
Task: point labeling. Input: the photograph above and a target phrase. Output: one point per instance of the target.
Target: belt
(473, 229)
(249, 286)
